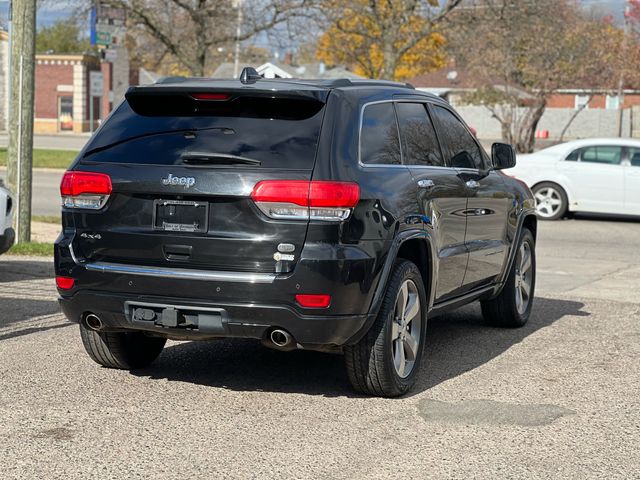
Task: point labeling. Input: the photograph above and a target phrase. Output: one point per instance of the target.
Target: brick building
(454, 84)
(62, 93)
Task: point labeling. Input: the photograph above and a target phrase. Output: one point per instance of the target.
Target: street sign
(110, 54)
(110, 15)
(103, 38)
(96, 84)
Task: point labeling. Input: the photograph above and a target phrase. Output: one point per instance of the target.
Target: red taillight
(85, 189)
(211, 96)
(301, 199)
(65, 283)
(313, 301)
(282, 191)
(333, 194)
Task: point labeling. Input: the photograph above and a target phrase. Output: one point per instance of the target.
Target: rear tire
(122, 350)
(386, 361)
(512, 307)
(551, 201)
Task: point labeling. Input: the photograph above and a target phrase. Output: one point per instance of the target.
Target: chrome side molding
(183, 273)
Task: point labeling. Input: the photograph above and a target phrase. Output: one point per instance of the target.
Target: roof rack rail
(177, 79)
(382, 83)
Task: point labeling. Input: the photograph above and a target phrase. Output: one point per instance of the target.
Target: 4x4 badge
(186, 182)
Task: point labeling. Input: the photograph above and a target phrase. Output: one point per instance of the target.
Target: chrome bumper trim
(182, 273)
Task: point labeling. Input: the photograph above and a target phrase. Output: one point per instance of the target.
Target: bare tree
(521, 54)
(191, 33)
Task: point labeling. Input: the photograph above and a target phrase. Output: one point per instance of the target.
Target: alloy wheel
(524, 277)
(406, 328)
(548, 202)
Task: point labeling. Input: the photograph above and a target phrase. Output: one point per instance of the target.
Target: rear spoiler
(233, 89)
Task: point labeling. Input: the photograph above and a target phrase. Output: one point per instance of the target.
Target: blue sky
(51, 13)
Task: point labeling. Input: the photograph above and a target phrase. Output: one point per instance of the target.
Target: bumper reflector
(65, 283)
(313, 301)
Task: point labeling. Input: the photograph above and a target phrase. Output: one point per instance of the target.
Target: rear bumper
(7, 239)
(235, 319)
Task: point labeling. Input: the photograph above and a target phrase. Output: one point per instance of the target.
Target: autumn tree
(385, 39)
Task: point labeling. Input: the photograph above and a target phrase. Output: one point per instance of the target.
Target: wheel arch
(416, 250)
(526, 219)
(531, 222)
(413, 245)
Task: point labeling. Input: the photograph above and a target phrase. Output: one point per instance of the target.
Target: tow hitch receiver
(169, 316)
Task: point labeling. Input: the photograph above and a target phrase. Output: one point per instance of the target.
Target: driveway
(555, 399)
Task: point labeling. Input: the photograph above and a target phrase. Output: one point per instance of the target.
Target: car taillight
(303, 200)
(85, 190)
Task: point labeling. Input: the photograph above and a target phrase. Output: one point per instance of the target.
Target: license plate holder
(180, 216)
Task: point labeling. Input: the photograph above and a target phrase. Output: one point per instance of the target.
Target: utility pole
(20, 149)
(236, 64)
(627, 10)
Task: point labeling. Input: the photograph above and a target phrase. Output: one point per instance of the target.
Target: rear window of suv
(276, 132)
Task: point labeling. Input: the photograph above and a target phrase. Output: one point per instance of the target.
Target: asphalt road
(46, 183)
(45, 198)
(555, 399)
(64, 141)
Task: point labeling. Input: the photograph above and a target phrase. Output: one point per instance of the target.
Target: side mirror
(502, 156)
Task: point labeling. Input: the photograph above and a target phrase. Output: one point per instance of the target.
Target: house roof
(280, 70)
(449, 78)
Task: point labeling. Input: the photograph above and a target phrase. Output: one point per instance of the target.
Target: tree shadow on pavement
(19, 270)
(27, 298)
(456, 343)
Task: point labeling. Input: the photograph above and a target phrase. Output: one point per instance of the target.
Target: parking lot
(558, 398)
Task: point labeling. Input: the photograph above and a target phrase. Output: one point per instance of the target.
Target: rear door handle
(426, 183)
(473, 184)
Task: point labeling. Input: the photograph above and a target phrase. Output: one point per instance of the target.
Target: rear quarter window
(379, 140)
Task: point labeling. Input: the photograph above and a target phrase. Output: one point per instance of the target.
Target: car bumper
(212, 319)
(7, 239)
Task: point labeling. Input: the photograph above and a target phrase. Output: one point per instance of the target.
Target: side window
(379, 142)
(456, 139)
(573, 156)
(634, 156)
(606, 155)
(419, 142)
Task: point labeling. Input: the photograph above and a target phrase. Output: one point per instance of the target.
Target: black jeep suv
(322, 215)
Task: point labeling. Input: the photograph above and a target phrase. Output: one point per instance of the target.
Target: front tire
(122, 350)
(512, 307)
(386, 361)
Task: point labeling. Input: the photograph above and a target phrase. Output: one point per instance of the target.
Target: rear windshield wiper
(198, 158)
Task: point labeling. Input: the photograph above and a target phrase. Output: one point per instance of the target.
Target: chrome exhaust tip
(280, 338)
(92, 321)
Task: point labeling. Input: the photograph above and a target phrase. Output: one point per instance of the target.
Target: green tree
(64, 36)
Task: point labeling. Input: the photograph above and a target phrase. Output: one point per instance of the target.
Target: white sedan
(7, 234)
(594, 176)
